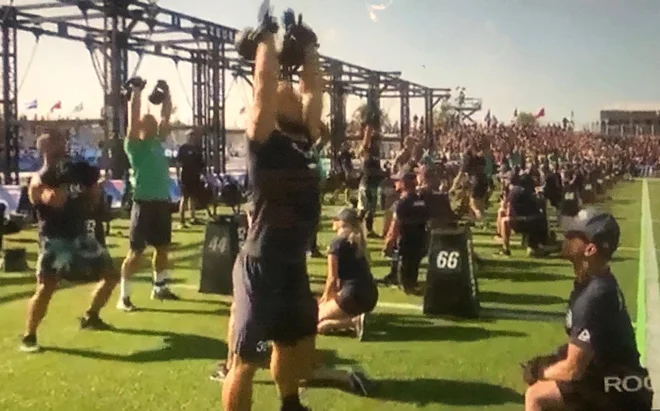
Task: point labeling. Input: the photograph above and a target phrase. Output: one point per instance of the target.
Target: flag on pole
(56, 106)
(32, 105)
(78, 108)
(541, 113)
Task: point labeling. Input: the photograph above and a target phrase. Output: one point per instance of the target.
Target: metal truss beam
(116, 27)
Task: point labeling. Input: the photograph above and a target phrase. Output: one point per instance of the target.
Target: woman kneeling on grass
(350, 290)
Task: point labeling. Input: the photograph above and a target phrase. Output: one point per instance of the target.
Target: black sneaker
(163, 293)
(504, 253)
(93, 322)
(29, 344)
(220, 373)
(359, 383)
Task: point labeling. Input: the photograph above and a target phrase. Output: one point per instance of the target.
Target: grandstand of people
(317, 240)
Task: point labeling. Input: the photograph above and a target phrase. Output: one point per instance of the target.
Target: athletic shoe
(360, 322)
(163, 293)
(504, 253)
(29, 344)
(359, 383)
(93, 322)
(125, 304)
(220, 373)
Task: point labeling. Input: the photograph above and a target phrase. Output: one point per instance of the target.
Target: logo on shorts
(262, 347)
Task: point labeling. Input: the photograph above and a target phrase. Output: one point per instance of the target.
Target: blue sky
(564, 55)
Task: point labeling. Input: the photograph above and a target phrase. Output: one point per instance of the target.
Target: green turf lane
(159, 359)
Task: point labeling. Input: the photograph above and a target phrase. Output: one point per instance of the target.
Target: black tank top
(285, 196)
(67, 222)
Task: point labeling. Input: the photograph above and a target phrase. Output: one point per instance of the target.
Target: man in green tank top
(151, 217)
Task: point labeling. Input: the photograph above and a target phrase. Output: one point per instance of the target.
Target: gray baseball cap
(598, 227)
(348, 215)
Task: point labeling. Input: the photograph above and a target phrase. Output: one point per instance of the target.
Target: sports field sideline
(160, 358)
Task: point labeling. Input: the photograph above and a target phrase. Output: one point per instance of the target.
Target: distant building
(616, 122)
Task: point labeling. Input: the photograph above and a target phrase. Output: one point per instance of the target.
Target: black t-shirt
(67, 222)
(286, 198)
(438, 205)
(191, 160)
(522, 202)
(412, 213)
(372, 174)
(597, 318)
(346, 161)
(352, 266)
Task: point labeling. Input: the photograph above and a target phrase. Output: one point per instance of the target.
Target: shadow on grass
(17, 280)
(424, 391)
(396, 328)
(219, 311)
(5, 299)
(521, 270)
(522, 299)
(176, 346)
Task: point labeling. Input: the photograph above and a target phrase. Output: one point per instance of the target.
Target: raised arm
(135, 114)
(165, 114)
(311, 90)
(263, 113)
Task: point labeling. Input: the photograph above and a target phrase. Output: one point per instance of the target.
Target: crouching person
(599, 368)
(350, 290)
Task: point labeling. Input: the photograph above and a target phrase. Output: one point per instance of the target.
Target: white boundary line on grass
(650, 264)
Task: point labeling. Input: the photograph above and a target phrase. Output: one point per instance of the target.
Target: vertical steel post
(8, 57)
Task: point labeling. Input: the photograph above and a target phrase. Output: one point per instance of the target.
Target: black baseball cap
(598, 227)
(405, 174)
(348, 215)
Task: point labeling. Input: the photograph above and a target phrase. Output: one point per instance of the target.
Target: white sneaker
(125, 304)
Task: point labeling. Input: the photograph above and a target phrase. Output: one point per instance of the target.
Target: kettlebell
(160, 91)
(246, 44)
(133, 82)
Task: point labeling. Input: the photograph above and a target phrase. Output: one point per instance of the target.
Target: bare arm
(39, 193)
(135, 114)
(311, 89)
(263, 113)
(330, 289)
(165, 114)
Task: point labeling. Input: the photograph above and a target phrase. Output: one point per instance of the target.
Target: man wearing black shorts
(151, 217)
(272, 296)
(599, 368)
(407, 232)
(191, 161)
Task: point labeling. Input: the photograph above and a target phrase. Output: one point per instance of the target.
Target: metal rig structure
(114, 27)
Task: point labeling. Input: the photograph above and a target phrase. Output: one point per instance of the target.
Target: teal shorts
(64, 257)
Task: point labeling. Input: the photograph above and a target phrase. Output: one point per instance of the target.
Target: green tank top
(150, 179)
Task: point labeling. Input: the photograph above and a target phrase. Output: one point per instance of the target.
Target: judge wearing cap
(350, 291)
(600, 366)
(407, 232)
(191, 161)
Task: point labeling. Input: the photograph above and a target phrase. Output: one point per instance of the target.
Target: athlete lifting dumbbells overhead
(272, 296)
(151, 218)
(62, 194)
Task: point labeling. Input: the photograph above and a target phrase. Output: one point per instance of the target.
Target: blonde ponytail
(355, 235)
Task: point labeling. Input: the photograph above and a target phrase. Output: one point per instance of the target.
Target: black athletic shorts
(191, 187)
(272, 302)
(479, 186)
(151, 224)
(357, 298)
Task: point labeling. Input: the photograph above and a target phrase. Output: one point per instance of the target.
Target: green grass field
(160, 358)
